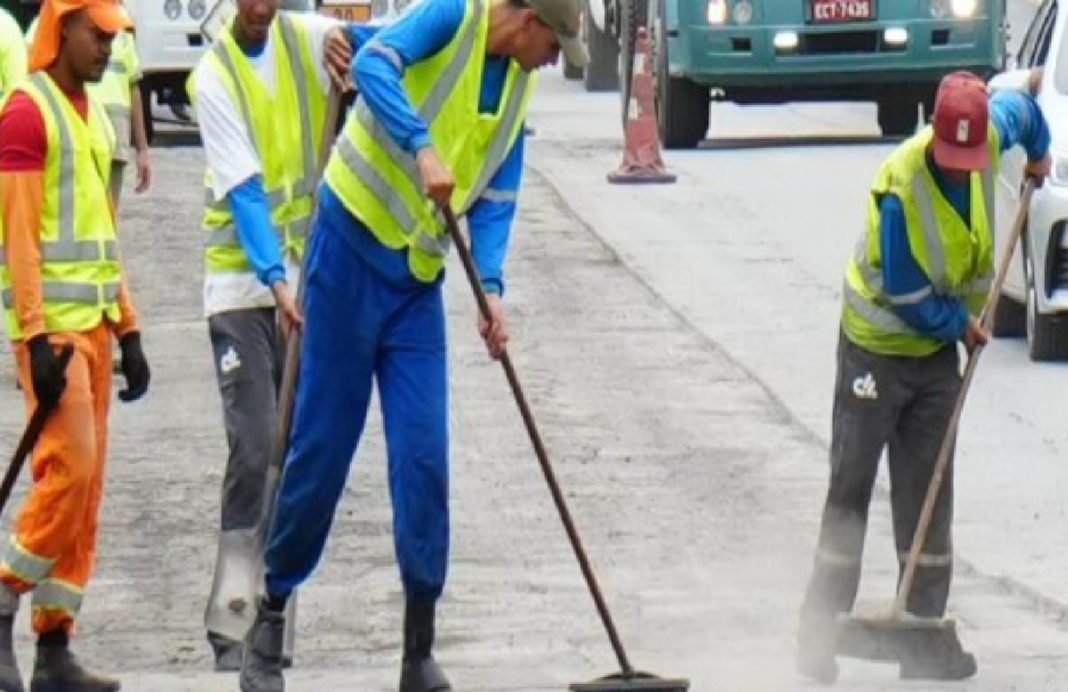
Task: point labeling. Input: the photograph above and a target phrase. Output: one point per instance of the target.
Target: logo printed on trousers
(864, 387)
(230, 361)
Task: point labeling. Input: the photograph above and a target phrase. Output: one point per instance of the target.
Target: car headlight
(197, 8)
(172, 9)
(1058, 174)
(717, 12)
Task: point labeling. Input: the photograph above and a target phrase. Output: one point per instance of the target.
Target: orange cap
(107, 15)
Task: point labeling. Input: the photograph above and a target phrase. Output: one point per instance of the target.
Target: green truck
(892, 52)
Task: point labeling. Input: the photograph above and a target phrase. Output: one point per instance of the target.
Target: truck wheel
(146, 109)
(897, 115)
(681, 105)
(602, 73)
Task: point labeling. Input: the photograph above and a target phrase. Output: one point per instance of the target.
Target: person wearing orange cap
(62, 283)
(913, 289)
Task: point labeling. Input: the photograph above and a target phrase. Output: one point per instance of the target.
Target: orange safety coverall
(53, 546)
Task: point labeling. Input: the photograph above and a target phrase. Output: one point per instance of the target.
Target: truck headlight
(197, 8)
(962, 9)
(743, 12)
(958, 9)
(172, 9)
(717, 12)
(1058, 173)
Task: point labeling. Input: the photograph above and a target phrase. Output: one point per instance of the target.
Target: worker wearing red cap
(62, 283)
(913, 288)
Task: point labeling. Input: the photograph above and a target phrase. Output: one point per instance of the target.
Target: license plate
(351, 12)
(840, 11)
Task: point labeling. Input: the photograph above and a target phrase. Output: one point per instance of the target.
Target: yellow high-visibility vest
(286, 127)
(958, 260)
(80, 271)
(380, 184)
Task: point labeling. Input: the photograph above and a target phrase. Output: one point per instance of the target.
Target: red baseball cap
(961, 119)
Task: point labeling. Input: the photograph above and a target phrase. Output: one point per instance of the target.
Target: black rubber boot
(937, 655)
(228, 652)
(10, 678)
(261, 667)
(419, 671)
(58, 670)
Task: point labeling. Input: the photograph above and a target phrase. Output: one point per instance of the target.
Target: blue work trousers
(360, 325)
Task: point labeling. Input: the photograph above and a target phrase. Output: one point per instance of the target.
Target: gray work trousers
(248, 350)
(904, 405)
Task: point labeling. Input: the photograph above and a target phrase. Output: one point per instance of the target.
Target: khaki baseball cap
(563, 17)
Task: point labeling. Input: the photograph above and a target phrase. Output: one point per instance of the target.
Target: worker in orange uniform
(62, 283)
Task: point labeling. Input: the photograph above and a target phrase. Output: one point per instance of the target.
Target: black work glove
(49, 378)
(134, 368)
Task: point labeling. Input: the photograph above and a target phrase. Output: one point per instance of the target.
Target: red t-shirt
(23, 142)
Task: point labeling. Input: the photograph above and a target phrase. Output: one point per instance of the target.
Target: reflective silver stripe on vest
(936, 256)
(435, 246)
(70, 292)
(292, 44)
(226, 236)
(447, 81)
(499, 149)
(66, 248)
(53, 594)
(117, 67)
(228, 64)
(24, 564)
(880, 317)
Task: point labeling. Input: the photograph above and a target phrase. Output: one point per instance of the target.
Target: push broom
(627, 679)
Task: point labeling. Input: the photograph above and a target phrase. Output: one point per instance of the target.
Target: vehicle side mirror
(1018, 80)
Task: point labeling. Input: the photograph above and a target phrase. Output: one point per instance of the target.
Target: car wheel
(1046, 338)
(1009, 319)
(602, 72)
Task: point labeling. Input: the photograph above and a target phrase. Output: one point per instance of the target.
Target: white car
(1034, 300)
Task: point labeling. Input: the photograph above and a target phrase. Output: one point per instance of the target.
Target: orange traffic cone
(641, 139)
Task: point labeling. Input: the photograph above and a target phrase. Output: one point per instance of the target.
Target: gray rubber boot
(58, 670)
(419, 671)
(10, 678)
(261, 669)
(937, 655)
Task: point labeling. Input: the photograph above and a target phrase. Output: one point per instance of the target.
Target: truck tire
(602, 72)
(897, 115)
(681, 105)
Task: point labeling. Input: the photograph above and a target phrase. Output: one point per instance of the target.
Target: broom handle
(539, 450)
(942, 463)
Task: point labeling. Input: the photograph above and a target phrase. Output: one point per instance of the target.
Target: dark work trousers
(247, 345)
(902, 404)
